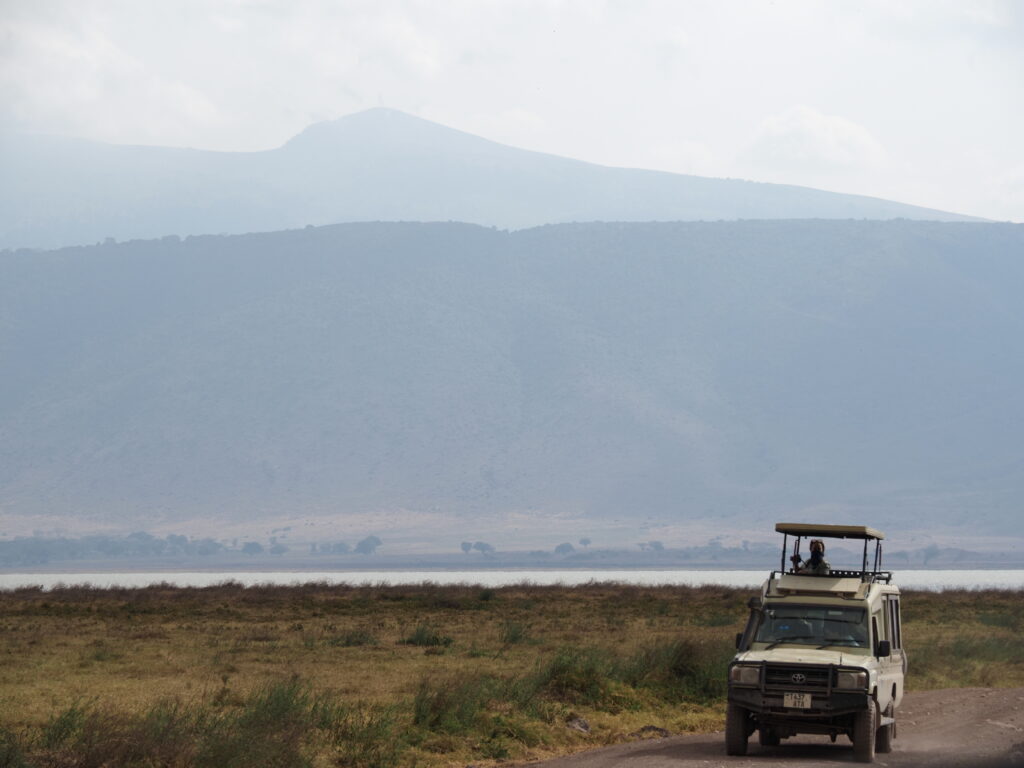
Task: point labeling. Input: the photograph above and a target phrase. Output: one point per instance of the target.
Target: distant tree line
(38, 550)
(565, 548)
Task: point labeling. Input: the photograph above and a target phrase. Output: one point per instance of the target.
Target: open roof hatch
(863, 532)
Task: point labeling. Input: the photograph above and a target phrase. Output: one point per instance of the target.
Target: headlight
(745, 674)
(848, 679)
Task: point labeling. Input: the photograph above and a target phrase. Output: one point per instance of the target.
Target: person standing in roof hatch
(816, 564)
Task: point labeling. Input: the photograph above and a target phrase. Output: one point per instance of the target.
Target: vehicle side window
(895, 635)
(878, 627)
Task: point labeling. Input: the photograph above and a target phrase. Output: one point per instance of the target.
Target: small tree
(483, 546)
(565, 548)
(584, 542)
(368, 545)
(467, 546)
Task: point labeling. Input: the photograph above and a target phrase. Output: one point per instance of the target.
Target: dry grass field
(378, 676)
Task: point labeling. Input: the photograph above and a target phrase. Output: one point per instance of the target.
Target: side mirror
(739, 640)
(884, 649)
(754, 603)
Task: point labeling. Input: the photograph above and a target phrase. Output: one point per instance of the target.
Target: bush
(62, 727)
(513, 633)
(90, 738)
(452, 705)
(366, 738)
(267, 732)
(425, 635)
(680, 670)
(353, 638)
(577, 675)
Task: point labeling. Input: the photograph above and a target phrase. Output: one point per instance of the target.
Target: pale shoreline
(1012, 579)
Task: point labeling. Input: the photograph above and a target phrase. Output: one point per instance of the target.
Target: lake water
(933, 580)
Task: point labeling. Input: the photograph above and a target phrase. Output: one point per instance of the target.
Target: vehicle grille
(796, 677)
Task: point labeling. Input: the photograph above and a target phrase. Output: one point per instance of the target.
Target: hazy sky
(920, 101)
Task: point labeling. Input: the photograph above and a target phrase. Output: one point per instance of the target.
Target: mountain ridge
(673, 377)
(378, 165)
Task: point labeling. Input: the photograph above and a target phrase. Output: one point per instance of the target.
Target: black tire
(737, 722)
(884, 735)
(768, 737)
(865, 726)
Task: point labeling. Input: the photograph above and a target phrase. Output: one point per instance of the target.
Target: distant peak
(380, 125)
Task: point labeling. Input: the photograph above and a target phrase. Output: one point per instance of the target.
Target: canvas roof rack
(829, 531)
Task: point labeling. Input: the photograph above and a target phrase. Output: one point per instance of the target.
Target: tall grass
(12, 752)
(279, 725)
(516, 664)
(679, 670)
(453, 705)
(368, 737)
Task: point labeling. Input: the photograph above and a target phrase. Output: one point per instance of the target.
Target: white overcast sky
(920, 101)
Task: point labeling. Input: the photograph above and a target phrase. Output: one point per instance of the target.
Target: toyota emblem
(799, 678)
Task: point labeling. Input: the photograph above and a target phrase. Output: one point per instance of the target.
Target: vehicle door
(890, 666)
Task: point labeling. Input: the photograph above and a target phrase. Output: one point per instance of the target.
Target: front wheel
(737, 720)
(865, 726)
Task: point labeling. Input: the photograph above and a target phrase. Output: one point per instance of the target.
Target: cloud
(888, 93)
(683, 155)
(802, 140)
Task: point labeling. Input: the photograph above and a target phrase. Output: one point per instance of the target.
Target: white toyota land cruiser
(821, 653)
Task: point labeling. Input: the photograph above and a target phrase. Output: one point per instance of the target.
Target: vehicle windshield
(819, 625)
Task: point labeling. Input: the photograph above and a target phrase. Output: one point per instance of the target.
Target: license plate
(796, 700)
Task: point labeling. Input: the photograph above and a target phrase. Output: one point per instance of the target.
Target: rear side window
(893, 618)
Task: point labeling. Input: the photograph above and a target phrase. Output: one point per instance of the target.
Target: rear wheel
(884, 735)
(865, 726)
(737, 721)
(768, 737)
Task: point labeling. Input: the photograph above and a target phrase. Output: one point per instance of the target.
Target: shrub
(452, 705)
(577, 675)
(680, 670)
(425, 635)
(62, 727)
(366, 738)
(92, 737)
(266, 733)
(353, 638)
(513, 633)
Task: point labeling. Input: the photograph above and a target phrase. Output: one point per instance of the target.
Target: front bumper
(825, 705)
(831, 709)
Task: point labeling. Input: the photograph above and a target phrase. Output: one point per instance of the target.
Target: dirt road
(953, 727)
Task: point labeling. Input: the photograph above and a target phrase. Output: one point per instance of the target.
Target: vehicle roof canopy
(829, 531)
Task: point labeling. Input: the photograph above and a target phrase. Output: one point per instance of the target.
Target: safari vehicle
(820, 653)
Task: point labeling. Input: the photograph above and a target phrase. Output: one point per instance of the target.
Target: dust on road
(956, 727)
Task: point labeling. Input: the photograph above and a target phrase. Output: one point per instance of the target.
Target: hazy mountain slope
(678, 371)
(373, 166)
